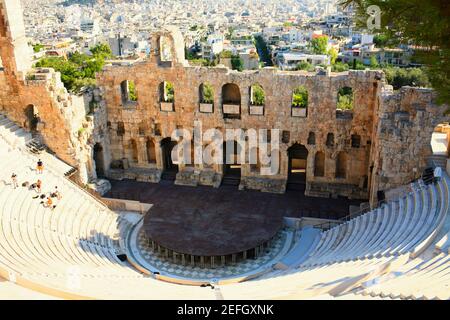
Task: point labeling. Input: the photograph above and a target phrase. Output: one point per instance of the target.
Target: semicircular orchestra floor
(264, 261)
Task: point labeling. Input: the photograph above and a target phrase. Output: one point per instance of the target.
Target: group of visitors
(47, 198)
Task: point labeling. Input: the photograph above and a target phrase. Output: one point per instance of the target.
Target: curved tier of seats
(70, 251)
(398, 251)
(396, 228)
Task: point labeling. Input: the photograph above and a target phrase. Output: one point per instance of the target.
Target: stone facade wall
(142, 119)
(61, 114)
(406, 122)
(101, 130)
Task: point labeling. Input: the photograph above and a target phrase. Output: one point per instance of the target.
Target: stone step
(169, 175)
(231, 181)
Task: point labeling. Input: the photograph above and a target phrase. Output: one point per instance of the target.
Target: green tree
(37, 47)
(101, 50)
(399, 77)
(69, 70)
(333, 55)
(357, 65)
(226, 54)
(304, 65)
(319, 45)
(79, 69)
(263, 50)
(339, 67)
(374, 62)
(300, 97)
(380, 40)
(237, 63)
(424, 23)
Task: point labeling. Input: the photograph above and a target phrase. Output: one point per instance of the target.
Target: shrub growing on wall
(300, 97)
(345, 99)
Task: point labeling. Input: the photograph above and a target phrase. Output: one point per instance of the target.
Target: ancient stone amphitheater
(89, 247)
(396, 251)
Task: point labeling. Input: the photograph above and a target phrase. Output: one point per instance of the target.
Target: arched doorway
(32, 115)
(297, 155)
(99, 160)
(151, 152)
(439, 146)
(170, 169)
(231, 167)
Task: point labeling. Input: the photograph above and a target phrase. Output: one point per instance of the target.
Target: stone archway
(297, 165)
(170, 169)
(32, 117)
(439, 146)
(231, 167)
(99, 160)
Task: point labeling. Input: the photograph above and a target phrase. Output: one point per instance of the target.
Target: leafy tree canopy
(79, 69)
(422, 23)
(237, 63)
(319, 45)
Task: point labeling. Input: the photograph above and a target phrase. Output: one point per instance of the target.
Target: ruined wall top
(12, 37)
(176, 42)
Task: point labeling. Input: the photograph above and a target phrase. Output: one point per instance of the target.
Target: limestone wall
(147, 115)
(407, 120)
(383, 143)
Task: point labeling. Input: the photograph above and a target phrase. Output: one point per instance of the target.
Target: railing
(364, 210)
(331, 224)
(327, 225)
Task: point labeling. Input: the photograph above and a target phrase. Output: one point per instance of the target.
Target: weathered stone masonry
(383, 143)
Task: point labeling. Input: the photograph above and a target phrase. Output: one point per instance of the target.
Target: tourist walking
(14, 180)
(40, 166)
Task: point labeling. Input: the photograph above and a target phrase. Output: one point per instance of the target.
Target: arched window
(312, 138)
(231, 94)
(356, 141)
(206, 93)
(257, 95)
(231, 101)
(341, 165)
(330, 140)
(142, 128)
(165, 48)
(99, 160)
(32, 115)
(319, 164)
(134, 150)
(300, 102)
(151, 151)
(166, 92)
(128, 91)
(345, 99)
(120, 129)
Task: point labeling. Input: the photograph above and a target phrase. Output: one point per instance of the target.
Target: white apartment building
(290, 60)
(213, 46)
